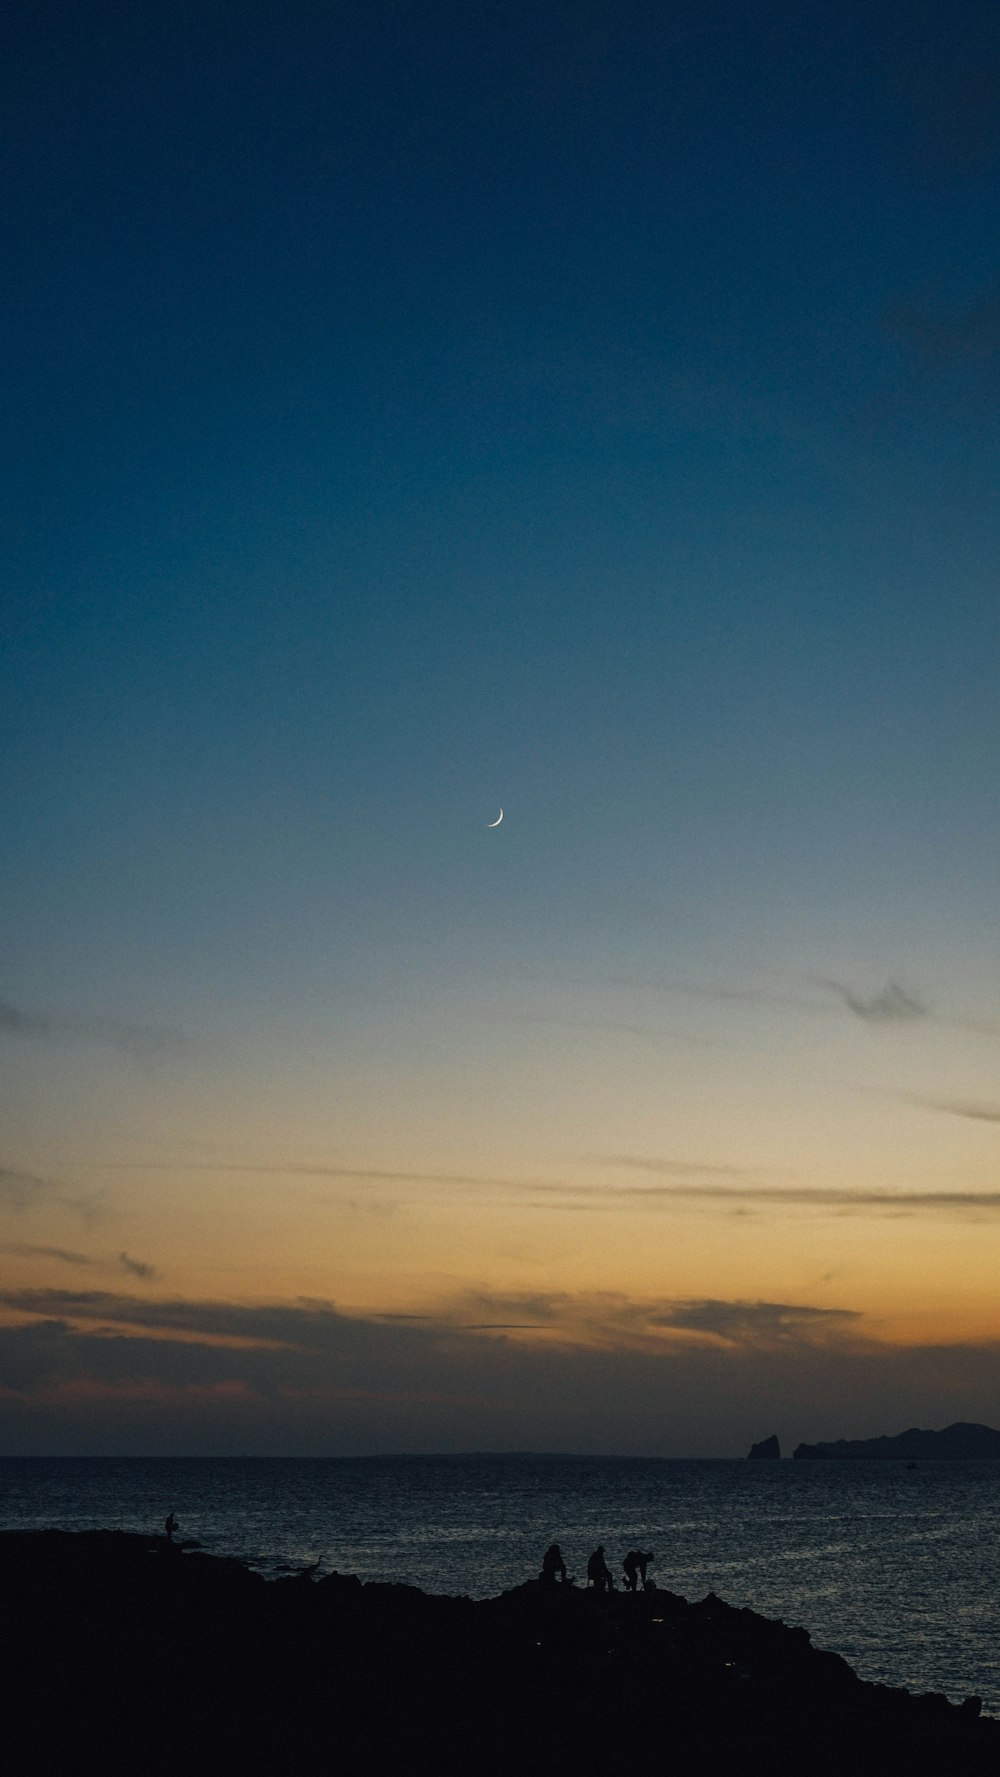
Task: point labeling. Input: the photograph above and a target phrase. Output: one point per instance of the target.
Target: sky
(589, 412)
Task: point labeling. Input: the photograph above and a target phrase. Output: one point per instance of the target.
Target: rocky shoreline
(129, 1653)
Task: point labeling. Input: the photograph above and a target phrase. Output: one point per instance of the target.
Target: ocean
(897, 1569)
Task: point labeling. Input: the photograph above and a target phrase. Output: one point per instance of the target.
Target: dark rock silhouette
(297, 1570)
(326, 1675)
(957, 1443)
(766, 1451)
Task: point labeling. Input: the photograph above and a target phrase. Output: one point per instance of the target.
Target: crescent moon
(496, 823)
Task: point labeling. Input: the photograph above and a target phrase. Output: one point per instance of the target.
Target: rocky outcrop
(122, 1653)
(768, 1450)
(957, 1443)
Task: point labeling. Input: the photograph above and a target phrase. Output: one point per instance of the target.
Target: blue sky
(589, 411)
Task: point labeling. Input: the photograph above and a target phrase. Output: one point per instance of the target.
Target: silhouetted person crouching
(553, 1565)
(635, 1565)
(598, 1571)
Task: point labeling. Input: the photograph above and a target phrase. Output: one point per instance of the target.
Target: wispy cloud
(303, 1324)
(699, 1184)
(977, 1110)
(509, 1310)
(695, 1377)
(17, 1023)
(144, 1043)
(886, 1006)
(892, 1005)
(21, 1249)
(20, 1188)
(673, 1168)
(607, 1318)
(310, 1169)
(765, 1323)
(841, 1198)
(735, 995)
(137, 1267)
(620, 1027)
(612, 1320)
(90, 1206)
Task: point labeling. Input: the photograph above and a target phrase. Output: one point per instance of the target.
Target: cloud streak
(619, 1027)
(742, 1323)
(806, 1196)
(699, 1184)
(19, 1188)
(137, 1267)
(20, 1249)
(307, 1169)
(725, 994)
(893, 1005)
(882, 1202)
(143, 1043)
(676, 1168)
(606, 1319)
(100, 1371)
(17, 1023)
(977, 1111)
(890, 1005)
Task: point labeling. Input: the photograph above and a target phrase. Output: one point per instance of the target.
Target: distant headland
(961, 1442)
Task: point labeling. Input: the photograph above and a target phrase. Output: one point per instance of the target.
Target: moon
(496, 823)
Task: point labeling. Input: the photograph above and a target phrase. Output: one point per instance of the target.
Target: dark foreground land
(122, 1653)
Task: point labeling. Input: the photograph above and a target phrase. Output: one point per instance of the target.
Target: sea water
(896, 1568)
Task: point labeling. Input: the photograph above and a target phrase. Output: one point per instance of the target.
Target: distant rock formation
(768, 1450)
(957, 1443)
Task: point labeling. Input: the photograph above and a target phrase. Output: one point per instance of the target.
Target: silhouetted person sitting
(598, 1571)
(553, 1565)
(635, 1564)
(170, 1524)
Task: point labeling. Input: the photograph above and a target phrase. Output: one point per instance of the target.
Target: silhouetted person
(598, 1571)
(635, 1564)
(170, 1524)
(553, 1565)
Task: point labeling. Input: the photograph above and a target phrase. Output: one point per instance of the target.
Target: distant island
(768, 1450)
(957, 1443)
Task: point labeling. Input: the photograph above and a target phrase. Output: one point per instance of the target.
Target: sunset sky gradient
(589, 410)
